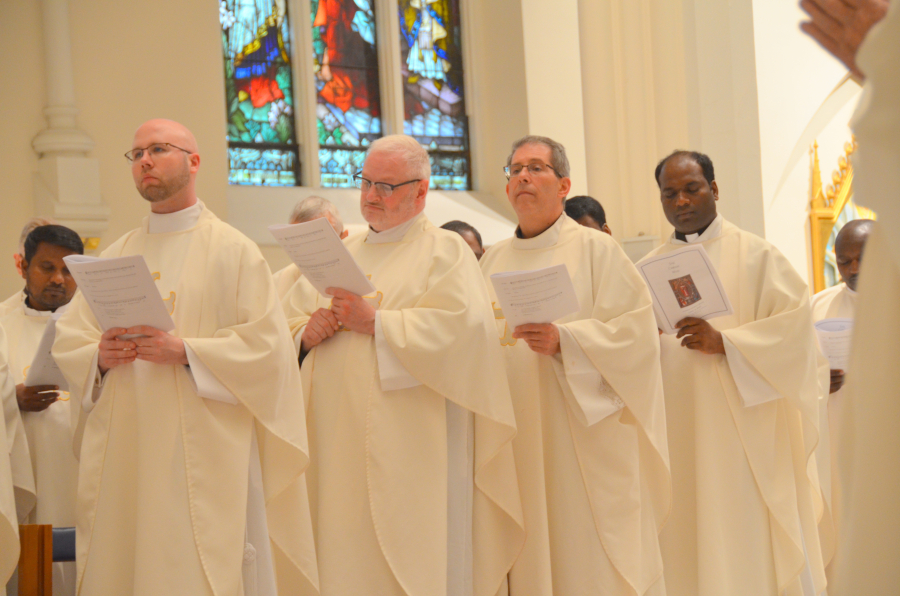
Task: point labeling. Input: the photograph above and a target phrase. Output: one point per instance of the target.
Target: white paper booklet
(317, 250)
(120, 291)
(539, 296)
(43, 369)
(834, 338)
(684, 283)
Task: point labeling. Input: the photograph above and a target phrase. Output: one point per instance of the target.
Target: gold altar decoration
(826, 205)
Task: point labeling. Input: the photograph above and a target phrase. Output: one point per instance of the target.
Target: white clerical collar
(712, 231)
(177, 221)
(394, 234)
(548, 237)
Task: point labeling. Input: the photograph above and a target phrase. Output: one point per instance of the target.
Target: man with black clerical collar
(741, 400)
(587, 390)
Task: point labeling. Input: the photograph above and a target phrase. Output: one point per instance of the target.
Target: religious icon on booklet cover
(685, 290)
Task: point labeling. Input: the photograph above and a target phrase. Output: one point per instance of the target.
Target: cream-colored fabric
(163, 486)
(49, 433)
(13, 302)
(870, 520)
(9, 524)
(378, 479)
(746, 491)
(595, 497)
(835, 302)
(870, 444)
(19, 453)
(285, 278)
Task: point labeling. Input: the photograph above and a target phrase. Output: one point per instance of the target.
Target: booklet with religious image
(320, 254)
(120, 291)
(834, 338)
(684, 283)
(539, 296)
(43, 369)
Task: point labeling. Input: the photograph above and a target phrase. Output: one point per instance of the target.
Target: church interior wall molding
(67, 181)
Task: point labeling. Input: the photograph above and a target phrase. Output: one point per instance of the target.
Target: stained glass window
(348, 108)
(262, 142)
(434, 98)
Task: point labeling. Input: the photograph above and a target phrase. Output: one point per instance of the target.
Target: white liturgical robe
(9, 524)
(870, 538)
(838, 302)
(12, 303)
(285, 278)
(165, 501)
(591, 449)
(49, 436)
(742, 430)
(383, 412)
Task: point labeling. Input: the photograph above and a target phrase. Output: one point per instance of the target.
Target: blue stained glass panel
(434, 94)
(262, 167)
(259, 94)
(339, 165)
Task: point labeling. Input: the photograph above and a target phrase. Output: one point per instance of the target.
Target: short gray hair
(31, 224)
(311, 208)
(408, 149)
(558, 158)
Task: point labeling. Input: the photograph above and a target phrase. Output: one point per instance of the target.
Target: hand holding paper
(684, 283)
(834, 339)
(120, 292)
(318, 252)
(540, 296)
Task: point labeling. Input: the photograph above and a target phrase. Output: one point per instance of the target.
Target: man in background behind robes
(307, 209)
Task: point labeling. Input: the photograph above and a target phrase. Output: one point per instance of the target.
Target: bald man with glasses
(413, 481)
(191, 464)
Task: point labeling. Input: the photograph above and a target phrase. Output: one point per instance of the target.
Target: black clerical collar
(683, 238)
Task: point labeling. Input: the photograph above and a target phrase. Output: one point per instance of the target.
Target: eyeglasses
(535, 169)
(382, 189)
(155, 150)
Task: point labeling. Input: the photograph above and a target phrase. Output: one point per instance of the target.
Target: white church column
(67, 183)
(553, 79)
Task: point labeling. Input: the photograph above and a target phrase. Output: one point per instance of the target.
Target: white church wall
(794, 77)
(21, 104)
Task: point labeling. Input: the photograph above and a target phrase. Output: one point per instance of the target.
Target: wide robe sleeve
(254, 359)
(237, 329)
(447, 340)
(621, 340)
(9, 527)
(776, 337)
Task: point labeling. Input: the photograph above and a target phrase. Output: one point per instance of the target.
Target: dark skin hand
(842, 25)
(837, 380)
(33, 399)
(699, 335)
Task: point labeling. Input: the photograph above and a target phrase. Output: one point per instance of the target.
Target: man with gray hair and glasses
(305, 210)
(591, 451)
(412, 473)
